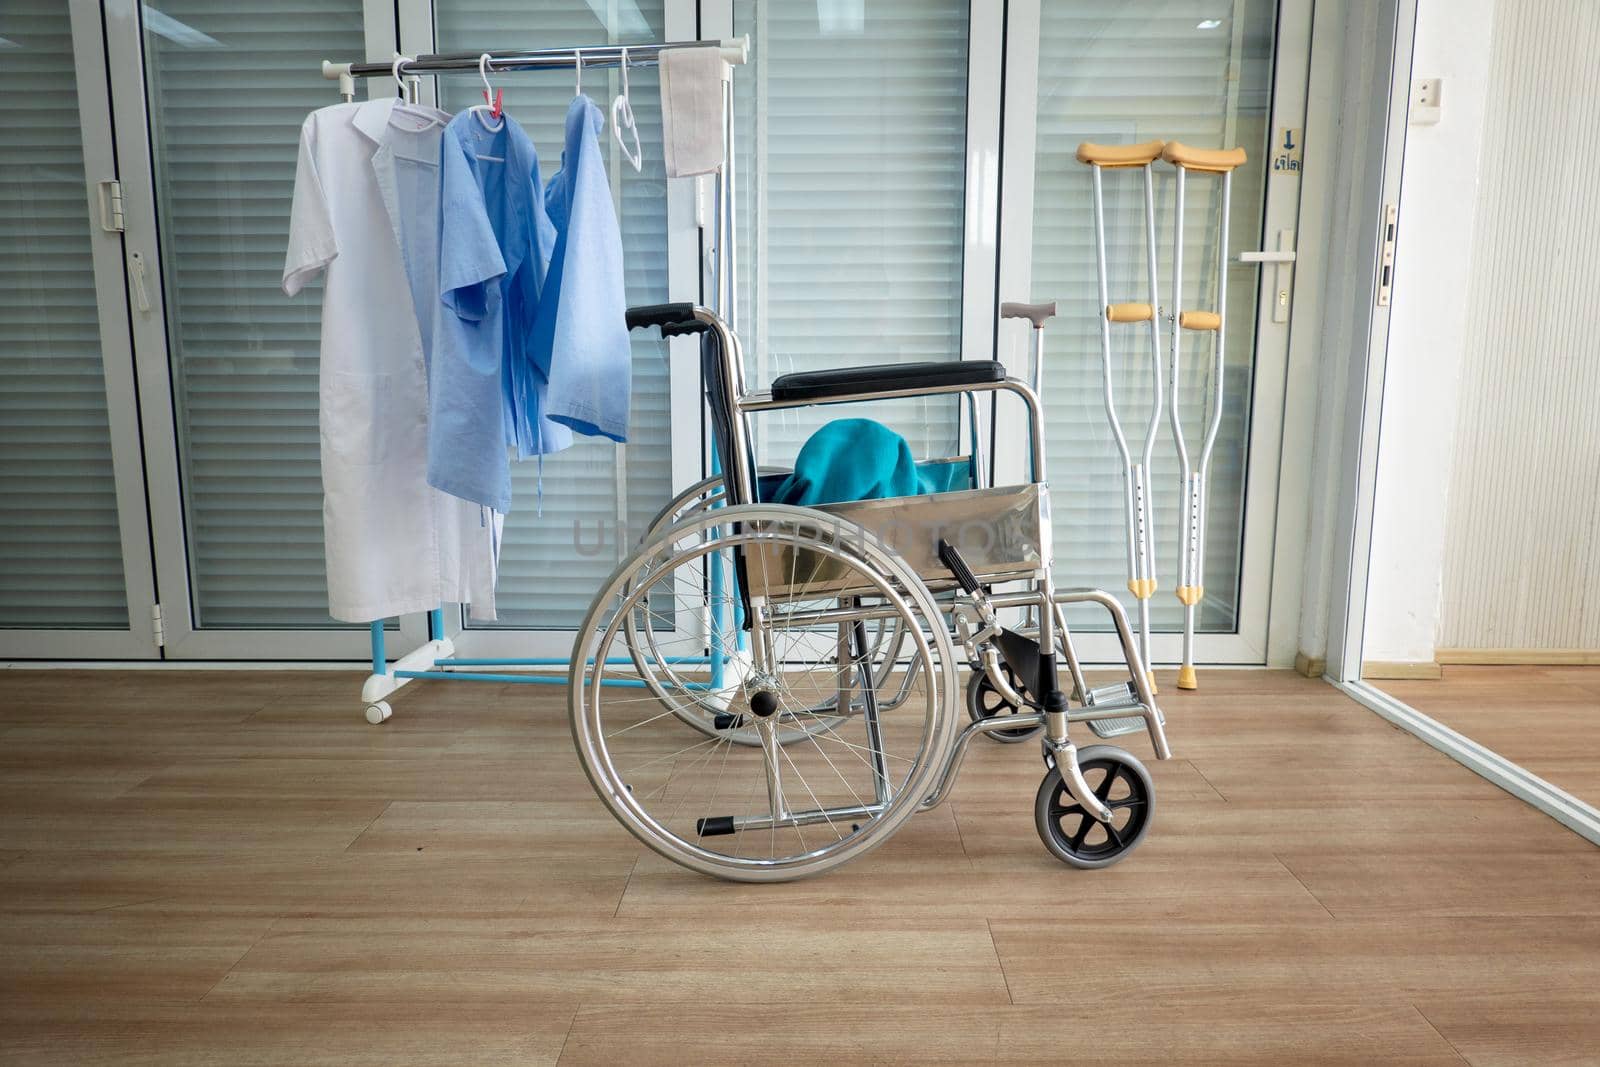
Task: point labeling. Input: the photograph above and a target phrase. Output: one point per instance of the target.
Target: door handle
(1281, 259)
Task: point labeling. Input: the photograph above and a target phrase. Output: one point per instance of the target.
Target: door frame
(1274, 402)
(137, 640)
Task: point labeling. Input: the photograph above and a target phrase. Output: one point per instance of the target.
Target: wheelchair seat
(864, 382)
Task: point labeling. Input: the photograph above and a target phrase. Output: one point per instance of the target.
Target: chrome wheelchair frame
(770, 607)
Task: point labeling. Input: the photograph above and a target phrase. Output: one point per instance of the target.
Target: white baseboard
(1531, 657)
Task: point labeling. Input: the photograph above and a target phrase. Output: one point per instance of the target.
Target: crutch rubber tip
(1190, 594)
(1186, 679)
(1142, 588)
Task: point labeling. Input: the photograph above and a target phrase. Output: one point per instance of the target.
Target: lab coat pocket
(356, 416)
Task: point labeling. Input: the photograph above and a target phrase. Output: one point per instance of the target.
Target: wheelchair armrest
(848, 383)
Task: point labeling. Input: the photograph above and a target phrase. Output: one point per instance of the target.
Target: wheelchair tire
(818, 787)
(1075, 837)
(984, 701)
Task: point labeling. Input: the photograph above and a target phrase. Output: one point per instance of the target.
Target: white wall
(1522, 555)
(1427, 333)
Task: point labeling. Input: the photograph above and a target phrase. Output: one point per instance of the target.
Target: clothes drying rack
(437, 658)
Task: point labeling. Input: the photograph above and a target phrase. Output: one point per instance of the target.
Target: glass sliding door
(210, 100)
(1217, 75)
(852, 161)
(74, 574)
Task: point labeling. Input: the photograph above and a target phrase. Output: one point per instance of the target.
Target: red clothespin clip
(495, 105)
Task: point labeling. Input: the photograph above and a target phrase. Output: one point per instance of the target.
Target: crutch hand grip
(1038, 314)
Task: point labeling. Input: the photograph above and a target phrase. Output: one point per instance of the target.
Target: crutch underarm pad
(1200, 320)
(1129, 313)
(1119, 155)
(672, 318)
(865, 382)
(1211, 160)
(1038, 314)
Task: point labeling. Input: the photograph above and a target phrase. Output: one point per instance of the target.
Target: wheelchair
(762, 692)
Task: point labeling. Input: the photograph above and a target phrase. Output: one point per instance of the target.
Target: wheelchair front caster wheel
(377, 713)
(1077, 838)
(984, 701)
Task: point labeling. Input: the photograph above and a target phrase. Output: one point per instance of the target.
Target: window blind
(1196, 72)
(60, 548)
(597, 496)
(851, 142)
(229, 85)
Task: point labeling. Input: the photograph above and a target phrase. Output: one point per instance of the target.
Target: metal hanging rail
(734, 52)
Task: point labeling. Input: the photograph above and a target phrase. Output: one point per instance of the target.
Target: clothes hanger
(408, 89)
(577, 65)
(493, 101)
(622, 119)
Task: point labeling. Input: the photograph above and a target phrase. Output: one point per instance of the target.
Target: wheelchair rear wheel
(821, 753)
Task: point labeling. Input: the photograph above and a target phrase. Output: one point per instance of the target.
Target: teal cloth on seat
(851, 459)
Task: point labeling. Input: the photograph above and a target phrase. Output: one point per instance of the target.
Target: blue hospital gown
(486, 390)
(581, 333)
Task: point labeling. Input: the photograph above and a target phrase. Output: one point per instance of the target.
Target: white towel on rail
(691, 110)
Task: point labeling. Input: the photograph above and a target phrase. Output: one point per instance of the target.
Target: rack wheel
(379, 712)
(984, 701)
(1077, 838)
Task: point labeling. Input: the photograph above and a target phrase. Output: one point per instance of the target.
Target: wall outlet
(1425, 97)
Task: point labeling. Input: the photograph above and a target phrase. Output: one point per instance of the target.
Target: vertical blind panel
(229, 86)
(597, 496)
(1522, 550)
(60, 549)
(1185, 70)
(851, 165)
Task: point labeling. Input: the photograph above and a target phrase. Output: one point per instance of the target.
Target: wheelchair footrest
(1107, 728)
(1117, 727)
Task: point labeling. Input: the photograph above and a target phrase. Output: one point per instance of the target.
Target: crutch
(1135, 470)
(1193, 479)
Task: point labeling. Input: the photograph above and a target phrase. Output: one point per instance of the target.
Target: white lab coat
(395, 545)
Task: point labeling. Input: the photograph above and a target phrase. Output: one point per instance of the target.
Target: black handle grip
(673, 319)
(958, 566)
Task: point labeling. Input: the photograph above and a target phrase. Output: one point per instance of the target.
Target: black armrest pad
(885, 378)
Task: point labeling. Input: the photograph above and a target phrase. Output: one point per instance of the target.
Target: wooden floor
(208, 868)
(1547, 719)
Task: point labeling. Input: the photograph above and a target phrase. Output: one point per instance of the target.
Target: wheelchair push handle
(1038, 314)
(674, 319)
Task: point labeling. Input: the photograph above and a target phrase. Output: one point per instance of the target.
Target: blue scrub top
(486, 390)
(580, 336)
